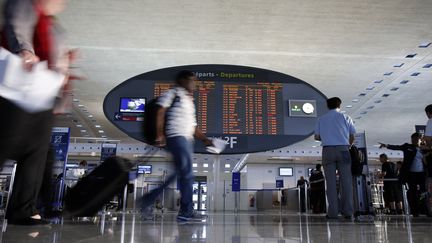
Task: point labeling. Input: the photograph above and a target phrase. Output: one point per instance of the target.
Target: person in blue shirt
(336, 132)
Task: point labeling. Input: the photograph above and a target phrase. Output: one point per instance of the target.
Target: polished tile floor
(229, 227)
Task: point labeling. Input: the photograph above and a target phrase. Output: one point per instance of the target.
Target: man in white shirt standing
(336, 132)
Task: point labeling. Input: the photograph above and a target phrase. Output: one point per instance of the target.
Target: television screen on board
(134, 105)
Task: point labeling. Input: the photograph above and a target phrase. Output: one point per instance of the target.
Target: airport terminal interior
(264, 70)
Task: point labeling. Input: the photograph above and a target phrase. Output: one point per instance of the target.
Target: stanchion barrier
(380, 191)
(405, 200)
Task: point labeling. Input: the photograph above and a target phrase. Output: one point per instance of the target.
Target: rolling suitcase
(93, 191)
(363, 206)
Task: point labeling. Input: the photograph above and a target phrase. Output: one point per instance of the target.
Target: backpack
(356, 161)
(150, 123)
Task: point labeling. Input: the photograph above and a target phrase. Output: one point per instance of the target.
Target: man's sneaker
(191, 217)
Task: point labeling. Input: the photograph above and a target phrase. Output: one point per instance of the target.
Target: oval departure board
(252, 109)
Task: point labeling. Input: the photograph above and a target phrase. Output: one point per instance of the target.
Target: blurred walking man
(336, 132)
(176, 129)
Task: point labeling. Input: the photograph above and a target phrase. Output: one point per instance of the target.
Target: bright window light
(194, 165)
(227, 166)
(205, 165)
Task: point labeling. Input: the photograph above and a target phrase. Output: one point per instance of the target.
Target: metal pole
(306, 198)
(135, 194)
(224, 197)
(280, 203)
(163, 190)
(125, 192)
(216, 179)
(299, 198)
(405, 200)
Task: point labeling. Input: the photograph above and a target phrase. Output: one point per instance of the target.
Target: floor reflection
(229, 227)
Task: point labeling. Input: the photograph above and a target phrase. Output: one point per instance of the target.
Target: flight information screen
(247, 109)
(252, 109)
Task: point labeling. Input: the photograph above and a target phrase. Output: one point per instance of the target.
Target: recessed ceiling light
(343, 112)
(205, 165)
(378, 81)
(83, 130)
(80, 105)
(194, 165)
(370, 88)
(385, 95)
(362, 94)
(363, 112)
(101, 131)
(75, 100)
(429, 65)
(90, 116)
(195, 171)
(424, 45)
(388, 73)
(378, 101)
(349, 106)
(398, 65)
(404, 81)
(103, 136)
(97, 126)
(370, 107)
(411, 55)
(79, 125)
(415, 74)
(205, 171)
(355, 100)
(394, 89)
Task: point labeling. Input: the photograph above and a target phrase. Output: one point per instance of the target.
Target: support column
(216, 180)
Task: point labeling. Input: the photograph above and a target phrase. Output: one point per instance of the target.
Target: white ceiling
(339, 46)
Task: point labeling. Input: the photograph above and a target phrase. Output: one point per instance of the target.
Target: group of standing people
(336, 132)
(416, 169)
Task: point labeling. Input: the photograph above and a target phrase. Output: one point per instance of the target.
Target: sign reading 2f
(230, 141)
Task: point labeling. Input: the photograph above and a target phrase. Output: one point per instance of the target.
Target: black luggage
(357, 161)
(363, 206)
(93, 191)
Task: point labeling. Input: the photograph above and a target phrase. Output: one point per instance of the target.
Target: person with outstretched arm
(412, 171)
(176, 130)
